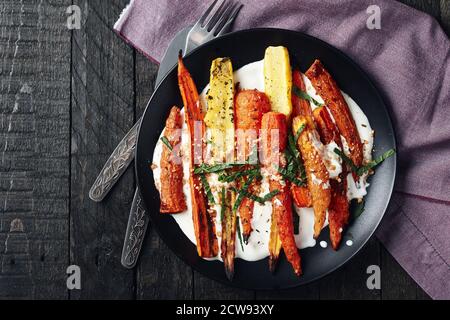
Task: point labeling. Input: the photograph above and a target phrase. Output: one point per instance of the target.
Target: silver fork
(207, 29)
(204, 30)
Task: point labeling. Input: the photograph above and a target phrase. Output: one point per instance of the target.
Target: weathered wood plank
(102, 112)
(34, 149)
(205, 288)
(160, 274)
(349, 282)
(306, 292)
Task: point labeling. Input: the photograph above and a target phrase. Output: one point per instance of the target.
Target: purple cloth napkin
(408, 58)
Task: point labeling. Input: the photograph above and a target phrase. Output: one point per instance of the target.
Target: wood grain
(207, 289)
(34, 149)
(102, 112)
(349, 282)
(160, 274)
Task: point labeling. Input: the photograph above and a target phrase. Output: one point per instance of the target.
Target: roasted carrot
(249, 107)
(328, 89)
(325, 126)
(207, 245)
(171, 191)
(282, 202)
(338, 212)
(316, 172)
(274, 245)
(301, 107)
(301, 196)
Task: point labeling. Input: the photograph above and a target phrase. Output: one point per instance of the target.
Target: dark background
(67, 98)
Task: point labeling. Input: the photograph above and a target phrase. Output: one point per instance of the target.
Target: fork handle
(116, 165)
(136, 229)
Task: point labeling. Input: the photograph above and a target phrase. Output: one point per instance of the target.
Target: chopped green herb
(305, 96)
(299, 132)
(204, 168)
(237, 175)
(293, 147)
(249, 195)
(166, 142)
(270, 195)
(238, 225)
(241, 192)
(347, 160)
(256, 198)
(362, 170)
(291, 176)
(207, 188)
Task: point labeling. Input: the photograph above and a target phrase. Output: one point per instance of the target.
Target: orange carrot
(171, 191)
(282, 202)
(301, 196)
(316, 172)
(338, 212)
(328, 89)
(249, 107)
(207, 245)
(301, 107)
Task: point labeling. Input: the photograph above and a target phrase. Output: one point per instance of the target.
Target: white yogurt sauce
(251, 76)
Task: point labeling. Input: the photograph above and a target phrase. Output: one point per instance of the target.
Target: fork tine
(201, 21)
(212, 22)
(226, 18)
(236, 12)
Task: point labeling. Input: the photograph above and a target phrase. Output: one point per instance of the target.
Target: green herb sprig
(204, 168)
(295, 169)
(207, 188)
(359, 171)
(256, 198)
(305, 96)
(239, 174)
(238, 225)
(241, 192)
(372, 164)
(299, 132)
(166, 143)
(346, 159)
(291, 176)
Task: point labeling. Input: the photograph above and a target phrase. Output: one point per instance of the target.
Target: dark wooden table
(67, 98)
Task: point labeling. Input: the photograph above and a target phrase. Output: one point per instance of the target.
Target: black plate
(244, 47)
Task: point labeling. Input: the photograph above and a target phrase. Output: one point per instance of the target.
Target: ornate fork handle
(137, 225)
(116, 165)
